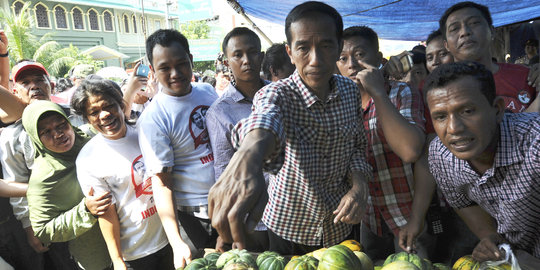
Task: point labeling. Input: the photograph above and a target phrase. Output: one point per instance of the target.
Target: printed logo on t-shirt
(138, 170)
(197, 126)
(524, 97)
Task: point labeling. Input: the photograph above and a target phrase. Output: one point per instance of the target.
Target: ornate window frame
(46, 12)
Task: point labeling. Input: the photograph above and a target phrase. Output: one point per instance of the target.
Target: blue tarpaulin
(396, 20)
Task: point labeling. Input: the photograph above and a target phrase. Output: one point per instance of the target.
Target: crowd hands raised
(149, 173)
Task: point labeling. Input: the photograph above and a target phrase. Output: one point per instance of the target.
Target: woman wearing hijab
(112, 162)
(58, 209)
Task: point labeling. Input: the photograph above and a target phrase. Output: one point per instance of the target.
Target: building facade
(119, 25)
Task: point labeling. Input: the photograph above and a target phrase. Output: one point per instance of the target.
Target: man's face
(437, 54)
(56, 133)
(32, 85)
(531, 50)
(244, 58)
(357, 51)
(172, 68)
(468, 35)
(198, 120)
(416, 75)
(464, 120)
(314, 49)
(106, 116)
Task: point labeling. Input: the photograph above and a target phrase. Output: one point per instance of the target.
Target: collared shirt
(510, 190)
(391, 189)
(221, 117)
(319, 143)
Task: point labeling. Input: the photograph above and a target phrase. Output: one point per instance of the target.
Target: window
(126, 24)
(42, 16)
(157, 24)
(134, 24)
(17, 6)
(60, 17)
(107, 21)
(93, 18)
(78, 22)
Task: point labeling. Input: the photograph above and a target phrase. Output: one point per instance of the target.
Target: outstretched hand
(237, 200)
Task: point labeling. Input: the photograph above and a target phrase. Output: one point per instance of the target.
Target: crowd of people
(434, 151)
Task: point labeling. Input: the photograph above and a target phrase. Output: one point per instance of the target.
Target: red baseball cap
(26, 65)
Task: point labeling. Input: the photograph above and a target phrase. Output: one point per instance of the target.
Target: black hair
(239, 31)
(532, 41)
(433, 35)
(165, 37)
(364, 32)
(447, 73)
(105, 88)
(461, 5)
(63, 84)
(275, 57)
(306, 10)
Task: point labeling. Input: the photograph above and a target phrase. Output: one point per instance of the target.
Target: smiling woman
(112, 162)
(58, 209)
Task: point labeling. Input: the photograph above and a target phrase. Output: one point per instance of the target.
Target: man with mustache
(307, 131)
(468, 32)
(392, 114)
(31, 82)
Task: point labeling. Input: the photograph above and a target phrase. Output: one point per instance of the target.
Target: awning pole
(240, 11)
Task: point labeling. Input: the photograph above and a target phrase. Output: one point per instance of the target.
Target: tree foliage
(195, 29)
(23, 44)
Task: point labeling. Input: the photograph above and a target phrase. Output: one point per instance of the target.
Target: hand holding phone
(142, 70)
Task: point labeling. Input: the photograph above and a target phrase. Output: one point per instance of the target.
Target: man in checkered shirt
(393, 114)
(307, 131)
(487, 163)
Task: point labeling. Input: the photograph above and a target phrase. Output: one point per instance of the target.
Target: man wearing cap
(76, 74)
(31, 82)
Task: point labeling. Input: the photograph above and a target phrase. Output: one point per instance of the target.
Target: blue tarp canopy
(396, 20)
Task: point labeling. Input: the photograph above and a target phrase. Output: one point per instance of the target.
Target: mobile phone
(406, 63)
(142, 70)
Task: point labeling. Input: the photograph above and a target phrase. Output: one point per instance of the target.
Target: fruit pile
(346, 255)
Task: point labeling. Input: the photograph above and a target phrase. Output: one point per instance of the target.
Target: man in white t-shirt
(175, 145)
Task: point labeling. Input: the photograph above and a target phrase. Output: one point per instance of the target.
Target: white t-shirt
(172, 133)
(117, 166)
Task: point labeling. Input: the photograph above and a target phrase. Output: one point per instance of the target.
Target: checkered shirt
(318, 144)
(391, 188)
(510, 190)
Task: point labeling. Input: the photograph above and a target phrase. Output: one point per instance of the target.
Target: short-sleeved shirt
(510, 190)
(117, 166)
(172, 133)
(319, 143)
(511, 84)
(391, 188)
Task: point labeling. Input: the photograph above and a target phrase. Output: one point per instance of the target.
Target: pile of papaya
(346, 255)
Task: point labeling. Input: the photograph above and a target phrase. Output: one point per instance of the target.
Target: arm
(533, 79)
(110, 228)
(132, 87)
(396, 128)
(424, 186)
(63, 227)
(12, 189)
(241, 188)
(352, 206)
(485, 227)
(165, 205)
(4, 61)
